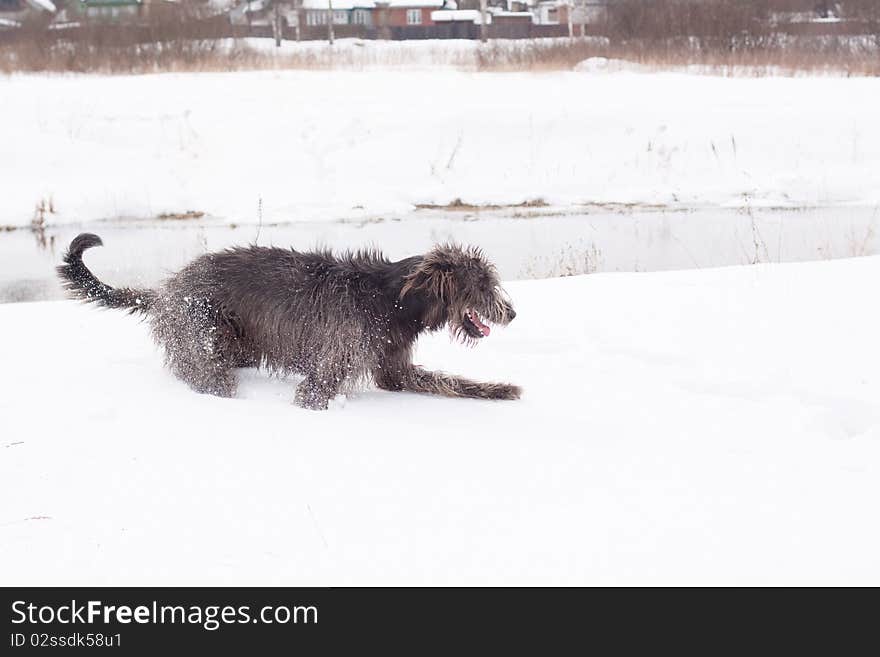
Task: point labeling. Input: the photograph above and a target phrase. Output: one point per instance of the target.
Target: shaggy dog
(335, 320)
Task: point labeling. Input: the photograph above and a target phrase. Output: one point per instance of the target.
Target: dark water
(538, 245)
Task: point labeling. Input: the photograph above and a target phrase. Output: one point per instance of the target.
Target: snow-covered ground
(312, 145)
(702, 427)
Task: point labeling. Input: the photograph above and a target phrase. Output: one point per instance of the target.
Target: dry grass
(727, 36)
(103, 49)
(773, 54)
(457, 205)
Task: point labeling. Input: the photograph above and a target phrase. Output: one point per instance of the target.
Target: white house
(555, 12)
(345, 12)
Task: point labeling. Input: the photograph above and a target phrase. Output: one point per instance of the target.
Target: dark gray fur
(336, 320)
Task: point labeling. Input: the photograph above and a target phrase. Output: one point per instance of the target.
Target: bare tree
(483, 27)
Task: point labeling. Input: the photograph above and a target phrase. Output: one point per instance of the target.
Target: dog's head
(461, 289)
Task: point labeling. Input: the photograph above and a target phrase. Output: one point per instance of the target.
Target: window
(340, 17)
(360, 17)
(316, 18)
(413, 16)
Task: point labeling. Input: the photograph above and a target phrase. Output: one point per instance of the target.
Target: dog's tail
(82, 284)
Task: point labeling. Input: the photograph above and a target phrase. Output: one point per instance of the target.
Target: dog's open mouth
(474, 326)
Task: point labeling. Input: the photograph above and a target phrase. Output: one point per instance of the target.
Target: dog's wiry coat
(335, 320)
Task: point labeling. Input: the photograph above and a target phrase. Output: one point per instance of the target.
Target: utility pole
(581, 15)
(276, 24)
(483, 28)
(330, 22)
(570, 11)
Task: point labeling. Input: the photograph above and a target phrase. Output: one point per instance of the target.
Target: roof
(107, 3)
(45, 5)
(338, 4)
(369, 4)
(436, 4)
(469, 15)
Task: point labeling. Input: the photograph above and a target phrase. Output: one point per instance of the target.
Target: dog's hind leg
(205, 376)
(197, 346)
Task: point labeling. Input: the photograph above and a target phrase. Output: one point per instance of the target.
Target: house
(458, 23)
(119, 10)
(551, 12)
(345, 12)
(106, 9)
(473, 16)
(250, 12)
(408, 13)
(555, 12)
(515, 23)
(308, 13)
(12, 12)
(15, 12)
(261, 13)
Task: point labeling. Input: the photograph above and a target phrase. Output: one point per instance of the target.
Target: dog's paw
(310, 401)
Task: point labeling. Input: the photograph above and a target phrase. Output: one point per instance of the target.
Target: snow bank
(325, 144)
(704, 427)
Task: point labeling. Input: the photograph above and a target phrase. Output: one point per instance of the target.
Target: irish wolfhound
(335, 320)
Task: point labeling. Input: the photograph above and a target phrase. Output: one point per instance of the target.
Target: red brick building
(406, 13)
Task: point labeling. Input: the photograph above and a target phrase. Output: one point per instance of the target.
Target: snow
(472, 15)
(338, 4)
(369, 4)
(416, 3)
(704, 427)
(314, 145)
(45, 5)
(66, 25)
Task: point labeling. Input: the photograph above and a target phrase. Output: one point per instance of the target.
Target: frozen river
(524, 242)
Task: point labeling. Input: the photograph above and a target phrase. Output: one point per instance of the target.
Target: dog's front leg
(416, 379)
(316, 391)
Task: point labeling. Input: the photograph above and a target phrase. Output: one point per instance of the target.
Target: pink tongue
(485, 330)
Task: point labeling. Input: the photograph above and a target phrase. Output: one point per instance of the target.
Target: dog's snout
(511, 313)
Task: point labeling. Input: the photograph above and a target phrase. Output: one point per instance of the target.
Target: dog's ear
(434, 275)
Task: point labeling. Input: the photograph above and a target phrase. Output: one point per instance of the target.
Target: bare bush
(668, 19)
(868, 10)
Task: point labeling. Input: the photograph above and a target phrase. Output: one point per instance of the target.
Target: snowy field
(317, 145)
(703, 427)
(714, 426)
